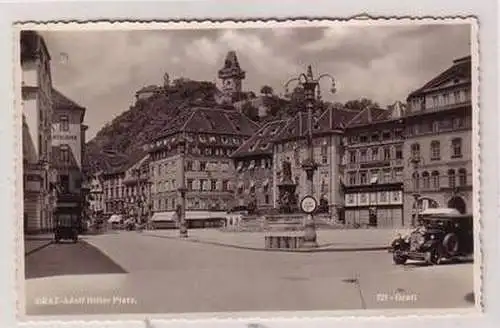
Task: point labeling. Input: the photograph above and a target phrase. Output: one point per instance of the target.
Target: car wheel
(398, 258)
(450, 244)
(432, 257)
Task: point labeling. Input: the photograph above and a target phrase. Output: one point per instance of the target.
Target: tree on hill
(360, 104)
(250, 110)
(266, 90)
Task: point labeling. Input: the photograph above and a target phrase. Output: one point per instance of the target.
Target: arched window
(435, 179)
(451, 178)
(456, 147)
(462, 177)
(415, 151)
(415, 180)
(426, 180)
(435, 150)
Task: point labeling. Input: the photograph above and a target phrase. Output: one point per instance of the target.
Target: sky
(102, 70)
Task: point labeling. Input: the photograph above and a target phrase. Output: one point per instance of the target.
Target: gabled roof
(461, 69)
(61, 102)
(369, 116)
(261, 142)
(333, 119)
(210, 120)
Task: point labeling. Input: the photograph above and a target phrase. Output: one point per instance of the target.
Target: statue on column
(287, 170)
(287, 197)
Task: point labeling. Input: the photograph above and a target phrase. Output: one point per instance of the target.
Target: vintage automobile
(67, 227)
(438, 237)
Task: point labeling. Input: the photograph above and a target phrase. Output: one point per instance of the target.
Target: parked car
(67, 227)
(438, 237)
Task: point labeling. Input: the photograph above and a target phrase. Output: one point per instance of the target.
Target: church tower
(231, 75)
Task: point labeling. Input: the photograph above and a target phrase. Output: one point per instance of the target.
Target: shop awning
(190, 215)
(115, 218)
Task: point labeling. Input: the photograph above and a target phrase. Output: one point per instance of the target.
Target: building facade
(68, 137)
(211, 135)
(290, 145)
(137, 191)
(253, 162)
(439, 142)
(373, 167)
(38, 173)
(96, 193)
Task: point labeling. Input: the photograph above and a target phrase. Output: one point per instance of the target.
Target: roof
(333, 119)
(210, 120)
(231, 67)
(461, 69)
(149, 88)
(30, 41)
(261, 142)
(61, 102)
(59, 163)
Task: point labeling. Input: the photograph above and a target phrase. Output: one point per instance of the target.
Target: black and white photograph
(251, 167)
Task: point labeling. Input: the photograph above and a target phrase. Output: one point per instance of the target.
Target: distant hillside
(120, 142)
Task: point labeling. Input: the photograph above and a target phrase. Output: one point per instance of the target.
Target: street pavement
(328, 239)
(147, 274)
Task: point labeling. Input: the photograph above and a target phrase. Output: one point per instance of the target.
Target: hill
(120, 142)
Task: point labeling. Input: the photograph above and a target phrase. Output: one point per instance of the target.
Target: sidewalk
(328, 240)
(33, 243)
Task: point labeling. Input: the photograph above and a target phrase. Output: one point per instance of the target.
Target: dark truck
(438, 237)
(67, 227)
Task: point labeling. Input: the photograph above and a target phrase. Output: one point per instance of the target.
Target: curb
(262, 249)
(36, 249)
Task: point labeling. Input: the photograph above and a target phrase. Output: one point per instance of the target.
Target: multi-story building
(68, 138)
(96, 193)
(211, 135)
(36, 89)
(438, 169)
(253, 161)
(290, 145)
(137, 191)
(373, 167)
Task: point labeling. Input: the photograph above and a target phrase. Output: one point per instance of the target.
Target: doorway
(458, 203)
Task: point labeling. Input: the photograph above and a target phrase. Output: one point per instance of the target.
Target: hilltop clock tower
(231, 75)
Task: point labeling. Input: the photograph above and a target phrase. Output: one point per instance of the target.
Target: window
(266, 199)
(352, 178)
(386, 135)
(375, 154)
(203, 166)
(415, 151)
(435, 150)
(387, 153)
(190, 184)
(63, 123)
(462, 177)
(458, 123)
(399, 152)
(426, 180)
(446, 99)
(363, 139)
(416, 181)
(435, 101)
(375, 137)
(64, 182)
(456, 147)
(451, 179)
(387, 176)
(398, 175)
(225, 185)
(363, 178)
(435, 126)
(324, 154)
(352, 156)
(189, 165)
(213, 185)
(203, 184)
(64, 154)
(456, 96)
(363, 156)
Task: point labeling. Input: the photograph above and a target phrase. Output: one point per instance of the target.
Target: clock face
(227, 83)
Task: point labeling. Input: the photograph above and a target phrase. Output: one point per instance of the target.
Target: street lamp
(310, 84)
(183, 232)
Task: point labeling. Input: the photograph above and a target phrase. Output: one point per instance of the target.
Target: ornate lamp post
(183, 232)
(310, 84)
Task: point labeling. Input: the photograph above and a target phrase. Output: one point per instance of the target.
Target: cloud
(102, 70)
